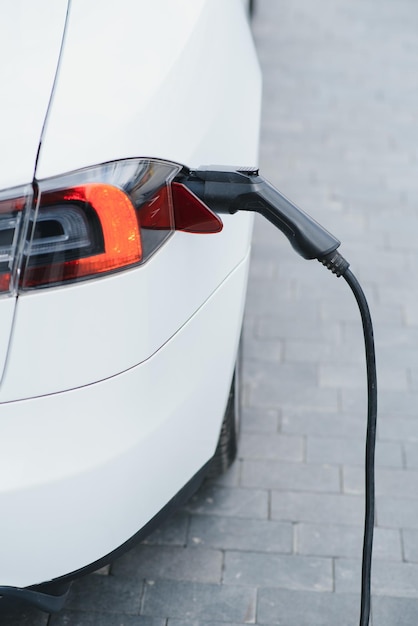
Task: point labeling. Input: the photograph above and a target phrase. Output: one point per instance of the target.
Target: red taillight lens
(13, 202)
(94, 221)
(88, 223)
(80, 232)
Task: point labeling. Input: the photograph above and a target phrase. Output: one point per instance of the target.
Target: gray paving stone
(282, 374)
(315, 351)
(404, 237)
(297, 278)
(21, 616)
(274, 570)
(106, 594)
(284, 326)
(398, 428)
(354, 377)
(264, 296)
(298, 394)
(411, 314)
(264, 351)
(271, 446)
(399, 405)
(389, 578)
(172, 532)
(290, 476)
(342, 376)
(259, 421)
(170, 562)
(231, 478)
(75, 618)
(394, 336)
(225, 603)
(339, 451)
(180, 622)
(410, 544)
(241, 534)
(398, 483)
(389, 611)
(214, 500)
(311, 421)
(413, 377)
(397, 512)
(338, 540)
(316, 507)
(284, 607)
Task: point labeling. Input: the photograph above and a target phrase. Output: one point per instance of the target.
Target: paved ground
(278, 539)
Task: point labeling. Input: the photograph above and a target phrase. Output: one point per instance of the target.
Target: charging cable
(228, 190)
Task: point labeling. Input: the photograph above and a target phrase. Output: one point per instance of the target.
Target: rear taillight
(14, 203)
(93, 222)
(82, 231)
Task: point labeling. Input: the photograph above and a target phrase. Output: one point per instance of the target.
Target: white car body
(113, 389)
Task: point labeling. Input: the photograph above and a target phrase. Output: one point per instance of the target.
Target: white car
(119, 330)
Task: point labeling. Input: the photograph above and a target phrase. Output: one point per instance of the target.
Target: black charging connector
(228, 190)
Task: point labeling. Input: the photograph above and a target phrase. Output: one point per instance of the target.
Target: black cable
(370, 446)
(228, 190)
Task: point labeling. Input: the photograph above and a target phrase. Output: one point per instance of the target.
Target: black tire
(226, 450)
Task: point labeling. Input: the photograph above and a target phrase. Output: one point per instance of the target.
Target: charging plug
(228, 190)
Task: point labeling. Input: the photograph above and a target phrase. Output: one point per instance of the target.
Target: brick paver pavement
(278, 539)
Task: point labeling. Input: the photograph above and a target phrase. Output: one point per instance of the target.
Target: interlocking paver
(106, 594)
(311, 421)
(390, 578)
(216, 500)
(411, 455)
(271, 446)
(335, 450)
(170, 562)
(22, 616)
(241, 534)
(316, 507)
(288, 572)
(71, 618)
(389, 482)
(259, 421)
(410, 544)
(399, 428)
(172, 532)
(285, 608)
(270, 392)
(394, 611)
(397, 512)
(289, 476)
(336, 540)
(226, 603)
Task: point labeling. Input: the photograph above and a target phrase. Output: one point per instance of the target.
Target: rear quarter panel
(175, 80)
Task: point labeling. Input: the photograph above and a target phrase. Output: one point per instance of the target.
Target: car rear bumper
(88, 468)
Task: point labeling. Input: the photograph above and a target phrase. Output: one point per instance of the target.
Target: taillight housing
(93, 222)
(14, 204)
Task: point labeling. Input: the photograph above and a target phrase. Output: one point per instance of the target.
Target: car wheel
(226, 450)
